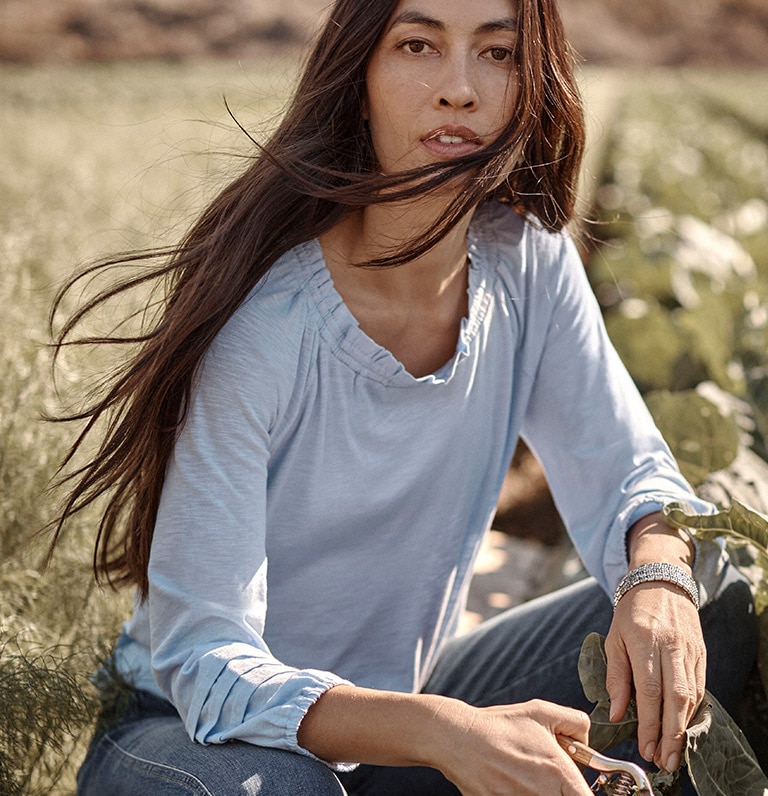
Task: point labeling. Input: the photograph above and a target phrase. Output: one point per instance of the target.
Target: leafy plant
(45, 706)
(702, 437)
(740, 527)
(719, 758)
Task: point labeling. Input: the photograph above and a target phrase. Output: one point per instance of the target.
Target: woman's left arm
(611, 472)
(655, 642)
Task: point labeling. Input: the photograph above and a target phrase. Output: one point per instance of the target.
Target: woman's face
(441, 82)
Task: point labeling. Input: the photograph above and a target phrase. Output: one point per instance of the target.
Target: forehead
(470, 14)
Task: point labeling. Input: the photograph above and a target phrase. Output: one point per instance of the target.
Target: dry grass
(95, 159)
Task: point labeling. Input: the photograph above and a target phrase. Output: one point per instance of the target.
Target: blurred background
(616, 32)
(114, 135)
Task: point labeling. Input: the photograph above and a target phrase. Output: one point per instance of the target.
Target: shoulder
(519, 249)
(261, 346)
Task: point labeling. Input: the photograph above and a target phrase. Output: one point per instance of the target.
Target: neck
(413, 310)
(380, 230)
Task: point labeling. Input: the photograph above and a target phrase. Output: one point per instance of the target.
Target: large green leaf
(651, 347)
(719, 758)
(702, 438)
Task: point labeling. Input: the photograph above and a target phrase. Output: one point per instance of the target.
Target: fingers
(513, 749)
(666, 660)
(679, 694)
(618, 678)
(665, 685)
(648, 694)
(572, 724)
(700, 676)
(684, 674)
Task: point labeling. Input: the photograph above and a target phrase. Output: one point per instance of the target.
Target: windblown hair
(316, 167)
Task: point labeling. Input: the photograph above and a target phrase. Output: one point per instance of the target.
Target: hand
(512, 749)
(655, 640)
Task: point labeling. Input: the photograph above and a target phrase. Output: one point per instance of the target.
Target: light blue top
(323, 508)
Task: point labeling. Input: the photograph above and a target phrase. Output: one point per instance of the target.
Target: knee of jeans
(307, 777)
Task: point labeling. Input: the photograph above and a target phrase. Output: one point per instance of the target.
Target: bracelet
(669, 573)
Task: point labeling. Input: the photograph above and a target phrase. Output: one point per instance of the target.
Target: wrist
(651, 540)
(446, 738)
(658, 572)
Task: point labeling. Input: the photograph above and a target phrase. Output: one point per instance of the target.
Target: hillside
(614, 32)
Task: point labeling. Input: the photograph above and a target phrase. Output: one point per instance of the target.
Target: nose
(456, 88)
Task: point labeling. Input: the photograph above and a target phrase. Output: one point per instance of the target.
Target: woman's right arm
(208, 605)
(207, 602)
(483, 751)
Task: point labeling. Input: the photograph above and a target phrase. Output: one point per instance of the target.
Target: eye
(415, 47)
(500, 54)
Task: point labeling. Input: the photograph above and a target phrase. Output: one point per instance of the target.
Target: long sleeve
(606, 462)
(322, 508)
(208, 571)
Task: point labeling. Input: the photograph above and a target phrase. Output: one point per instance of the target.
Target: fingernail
(673, 762)
(650, 751)
(613, 713)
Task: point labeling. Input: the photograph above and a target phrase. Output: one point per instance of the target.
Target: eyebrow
(417, 18)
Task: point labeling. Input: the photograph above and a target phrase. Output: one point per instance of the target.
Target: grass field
(95, 159)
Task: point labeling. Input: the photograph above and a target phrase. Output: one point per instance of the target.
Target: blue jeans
(528, 652)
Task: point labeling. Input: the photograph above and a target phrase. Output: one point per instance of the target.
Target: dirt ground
(616, 32)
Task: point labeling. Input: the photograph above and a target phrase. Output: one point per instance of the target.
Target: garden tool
(628, 778)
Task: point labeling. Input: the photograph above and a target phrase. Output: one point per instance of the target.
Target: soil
(612, 32)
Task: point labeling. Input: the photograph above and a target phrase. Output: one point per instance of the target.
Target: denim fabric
(148, 753)
(528, 652)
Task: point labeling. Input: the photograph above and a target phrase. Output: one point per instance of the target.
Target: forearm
(500, 749)
(655, 644)
(651, 540)
(349, 724)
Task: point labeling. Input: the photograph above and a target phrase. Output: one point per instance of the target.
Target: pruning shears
(628, 778)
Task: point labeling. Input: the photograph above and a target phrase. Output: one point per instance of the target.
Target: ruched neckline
(350, 344)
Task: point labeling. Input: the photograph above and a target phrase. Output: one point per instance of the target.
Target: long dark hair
(316, 167)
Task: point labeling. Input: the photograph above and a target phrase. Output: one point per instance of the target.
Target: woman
(304, 453)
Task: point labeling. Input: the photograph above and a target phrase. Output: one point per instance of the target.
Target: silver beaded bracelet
(669, 573)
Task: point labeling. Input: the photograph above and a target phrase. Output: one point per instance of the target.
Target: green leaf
(701, 437)
(720, 760)
(593, 666)
(651, 347)
(738, 521)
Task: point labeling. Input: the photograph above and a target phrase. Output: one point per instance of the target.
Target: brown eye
(500, 54)
(415, 46)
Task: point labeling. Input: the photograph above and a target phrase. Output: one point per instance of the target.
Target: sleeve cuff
(615, 561)
(303, 703)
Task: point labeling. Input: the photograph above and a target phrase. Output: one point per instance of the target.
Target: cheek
(509, 94)
(388, 119)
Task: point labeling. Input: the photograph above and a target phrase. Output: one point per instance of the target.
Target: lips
(453, 136)
(445, 143)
